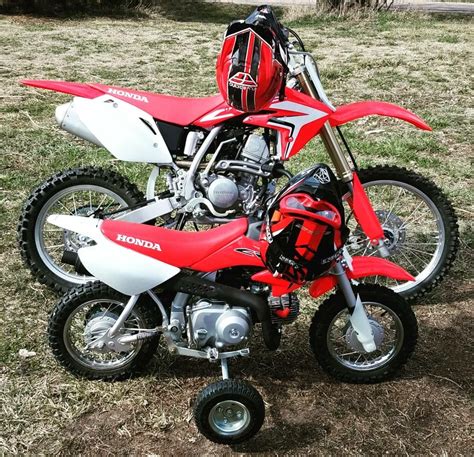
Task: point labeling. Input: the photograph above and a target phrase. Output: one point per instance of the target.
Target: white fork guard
(360, 323)
(123, 269)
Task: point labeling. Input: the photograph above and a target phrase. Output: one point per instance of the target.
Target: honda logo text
(122, 93)
(138, 242)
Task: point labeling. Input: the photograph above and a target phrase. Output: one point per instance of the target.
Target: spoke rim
(90, 359)
(351, 358)
(61, 270)
(408, 248)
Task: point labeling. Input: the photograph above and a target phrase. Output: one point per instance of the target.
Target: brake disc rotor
(393, 229)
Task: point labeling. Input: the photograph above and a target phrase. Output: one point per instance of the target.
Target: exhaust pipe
(69, 120)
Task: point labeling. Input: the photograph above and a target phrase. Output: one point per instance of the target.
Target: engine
(214, 323)
(238, 186)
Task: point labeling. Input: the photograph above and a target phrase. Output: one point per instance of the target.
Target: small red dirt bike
(222, 156)
(204, 291)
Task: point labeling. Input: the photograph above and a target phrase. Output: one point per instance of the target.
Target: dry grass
(423, 63)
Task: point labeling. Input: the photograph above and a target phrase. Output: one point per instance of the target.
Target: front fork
(358, 316)
(358, 200)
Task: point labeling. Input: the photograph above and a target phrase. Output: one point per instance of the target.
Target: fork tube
(345, 286)
(343, 168)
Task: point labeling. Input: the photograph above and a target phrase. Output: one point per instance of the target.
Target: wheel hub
(354, 344)
(393, 229)
(74, 241)
(95, 334)
(229, 417)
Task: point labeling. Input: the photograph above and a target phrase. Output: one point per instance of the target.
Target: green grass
(420, 62)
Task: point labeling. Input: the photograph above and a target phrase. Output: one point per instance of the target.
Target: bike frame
(140, 267)
(297, 119)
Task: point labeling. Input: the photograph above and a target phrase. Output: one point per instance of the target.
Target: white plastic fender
(126, 131)
(361, 325)
(127, 271)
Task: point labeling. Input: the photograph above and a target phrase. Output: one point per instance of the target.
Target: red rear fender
(347, 113)
(77, 89)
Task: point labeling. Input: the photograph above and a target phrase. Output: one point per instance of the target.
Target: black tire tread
(42, 193)
(74, 298)
(334, 304)
(447, 212)
(234, 387)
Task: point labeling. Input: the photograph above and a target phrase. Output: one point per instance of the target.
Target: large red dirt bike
(204, 292)
(222, 163)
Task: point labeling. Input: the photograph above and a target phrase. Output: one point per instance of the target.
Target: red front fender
(347, 113)
(361, 268)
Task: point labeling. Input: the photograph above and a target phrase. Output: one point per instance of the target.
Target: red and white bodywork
(121, 119)
(133, 258)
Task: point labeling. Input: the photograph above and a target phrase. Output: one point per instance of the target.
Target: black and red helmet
(250, 68)
(304, 228)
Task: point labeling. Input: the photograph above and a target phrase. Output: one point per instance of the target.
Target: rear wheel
(84, 315)
(419, 224)
(81, 191)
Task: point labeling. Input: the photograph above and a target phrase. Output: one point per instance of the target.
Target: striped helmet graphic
(248, 74)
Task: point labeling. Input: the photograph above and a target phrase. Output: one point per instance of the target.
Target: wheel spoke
(68, 210)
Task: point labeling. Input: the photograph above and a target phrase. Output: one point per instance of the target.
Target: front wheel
(229, 411)
(339, 352)
(419, 223)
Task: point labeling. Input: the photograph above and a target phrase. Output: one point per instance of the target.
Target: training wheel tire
(229, 411)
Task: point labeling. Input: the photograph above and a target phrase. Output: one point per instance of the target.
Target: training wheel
(229, 411)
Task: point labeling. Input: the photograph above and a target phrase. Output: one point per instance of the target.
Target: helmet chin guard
(304, 228)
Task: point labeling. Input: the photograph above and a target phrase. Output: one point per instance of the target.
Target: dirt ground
(422, 62)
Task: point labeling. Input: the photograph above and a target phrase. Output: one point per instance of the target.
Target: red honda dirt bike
(204, 292)
(221, 163)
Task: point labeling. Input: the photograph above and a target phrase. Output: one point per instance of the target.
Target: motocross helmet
(250, 68)
(304, 226)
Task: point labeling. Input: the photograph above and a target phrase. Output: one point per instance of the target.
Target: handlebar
(264, 15)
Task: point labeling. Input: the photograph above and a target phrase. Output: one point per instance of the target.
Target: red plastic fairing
(279, 286)
(364, 212)
(298, 119)
(361, 268)
(175, 110)
(352, 111)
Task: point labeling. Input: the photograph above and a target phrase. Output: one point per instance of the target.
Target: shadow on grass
(182, 11)
(59, 13)
(199, 11)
